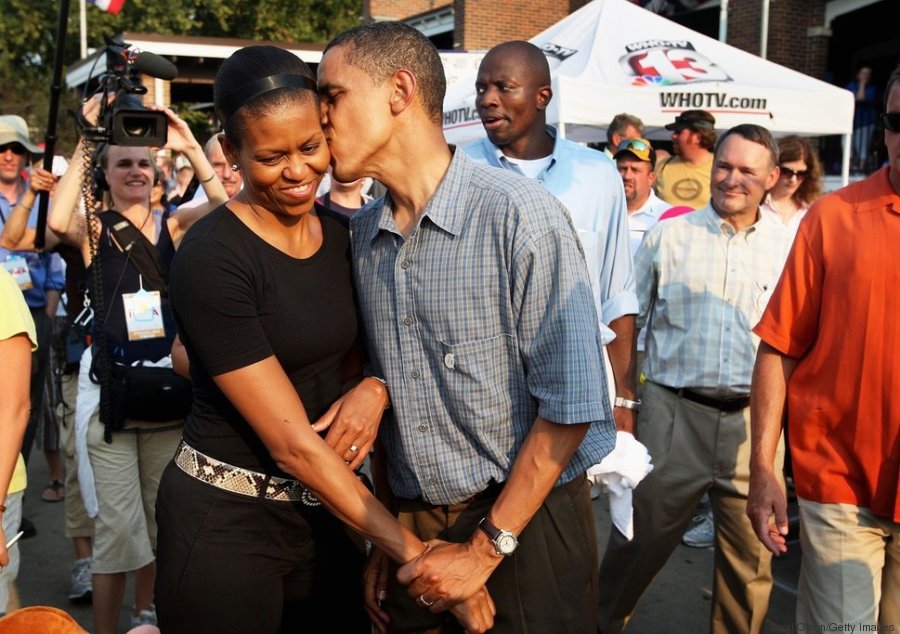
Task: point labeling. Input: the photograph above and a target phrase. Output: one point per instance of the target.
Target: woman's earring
(235, 167)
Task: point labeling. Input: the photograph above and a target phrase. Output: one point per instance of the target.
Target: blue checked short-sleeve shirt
(480, 321)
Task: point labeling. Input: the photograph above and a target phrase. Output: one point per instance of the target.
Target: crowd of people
(304, 400)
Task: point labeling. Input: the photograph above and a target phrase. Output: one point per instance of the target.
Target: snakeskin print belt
(242, 481)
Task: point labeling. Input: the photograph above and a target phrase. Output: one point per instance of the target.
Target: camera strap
(140, 250)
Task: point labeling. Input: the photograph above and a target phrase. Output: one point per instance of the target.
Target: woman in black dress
(264, 304)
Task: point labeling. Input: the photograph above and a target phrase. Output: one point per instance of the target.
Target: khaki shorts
(78, 524)
(126, 476)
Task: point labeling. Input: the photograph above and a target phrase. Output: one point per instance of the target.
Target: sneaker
(81, 589)
(702, 534)
(144, 617)
(27, 528)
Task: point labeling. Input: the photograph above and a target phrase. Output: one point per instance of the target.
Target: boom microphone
(155, 66)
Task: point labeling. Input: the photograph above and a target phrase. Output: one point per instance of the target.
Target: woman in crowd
(126, 460)
(17, 340)
(264, 304)
(798, 186)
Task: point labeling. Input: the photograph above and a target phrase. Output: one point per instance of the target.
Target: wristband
(628, 404)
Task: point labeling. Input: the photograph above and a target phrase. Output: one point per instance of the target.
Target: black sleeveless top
(120, 276)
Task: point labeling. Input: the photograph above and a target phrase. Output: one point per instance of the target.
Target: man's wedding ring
(423, 602)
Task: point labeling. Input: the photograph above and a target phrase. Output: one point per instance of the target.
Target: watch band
(628, 404)
(505, 542)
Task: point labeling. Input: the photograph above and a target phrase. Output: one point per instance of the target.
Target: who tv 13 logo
(668, 62)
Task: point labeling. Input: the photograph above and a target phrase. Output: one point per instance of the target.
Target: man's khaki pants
(850, 571)
(695, 449)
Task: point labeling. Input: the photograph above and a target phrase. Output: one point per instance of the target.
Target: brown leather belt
(734, 404)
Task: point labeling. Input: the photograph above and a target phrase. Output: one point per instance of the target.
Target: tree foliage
(28, 32)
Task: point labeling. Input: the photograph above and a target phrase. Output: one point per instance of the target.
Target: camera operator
(138, 327)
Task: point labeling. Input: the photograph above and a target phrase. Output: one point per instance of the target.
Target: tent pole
(562, 130)
(764, 30)
(845, 161)
(723, 21)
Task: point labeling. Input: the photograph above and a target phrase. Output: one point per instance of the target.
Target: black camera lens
(139, 127)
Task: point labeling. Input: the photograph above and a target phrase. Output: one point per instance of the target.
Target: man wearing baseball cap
(635, 160)
(684, 178)
(40, 282)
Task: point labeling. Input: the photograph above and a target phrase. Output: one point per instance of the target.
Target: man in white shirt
(636, 160)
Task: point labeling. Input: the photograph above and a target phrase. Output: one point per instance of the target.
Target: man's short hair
(756, 134)
(891, 82)
(620, 124)
(383, 48)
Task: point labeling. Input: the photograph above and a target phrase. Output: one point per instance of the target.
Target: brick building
(827, 39)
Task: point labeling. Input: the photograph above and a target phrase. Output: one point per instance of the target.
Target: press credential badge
(16, 266)
(143, 314)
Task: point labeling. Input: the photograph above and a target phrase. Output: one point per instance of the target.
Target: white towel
(86, 404)
(618, 474)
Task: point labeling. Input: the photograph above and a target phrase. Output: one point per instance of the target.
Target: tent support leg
(845, 161)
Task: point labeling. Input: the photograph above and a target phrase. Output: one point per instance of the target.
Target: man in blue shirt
(512, 94)
(479, 315)
(43, 280)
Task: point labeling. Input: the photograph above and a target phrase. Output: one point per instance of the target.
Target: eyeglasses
(633, 144)
(788, 173)
(16, 148)
(891, 121)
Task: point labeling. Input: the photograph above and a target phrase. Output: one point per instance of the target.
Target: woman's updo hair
(255, 79)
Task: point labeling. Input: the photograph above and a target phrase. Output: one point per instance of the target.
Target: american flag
(110, 6)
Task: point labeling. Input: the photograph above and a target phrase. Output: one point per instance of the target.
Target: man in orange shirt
(831, 349)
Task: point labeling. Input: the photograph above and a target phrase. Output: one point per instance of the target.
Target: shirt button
(449, 360)
(407, 321)
(414, 374)
(432, 480)
(422, 428)
(404, 264)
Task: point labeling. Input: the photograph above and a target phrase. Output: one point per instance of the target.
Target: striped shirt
(702, 286)
(591, 189)
(481, 321)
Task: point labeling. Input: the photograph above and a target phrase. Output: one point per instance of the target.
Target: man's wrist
(482, 546)
(382, 388)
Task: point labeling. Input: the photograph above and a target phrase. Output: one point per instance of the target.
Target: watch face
(506, 543)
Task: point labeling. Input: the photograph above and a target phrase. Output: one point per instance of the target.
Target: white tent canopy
(611, 56)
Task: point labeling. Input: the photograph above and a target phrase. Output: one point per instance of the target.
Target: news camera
(125, 121)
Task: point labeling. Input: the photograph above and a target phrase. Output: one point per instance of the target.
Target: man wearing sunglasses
(39, 277)
(635, 160)
(512, 94)
(830, 353)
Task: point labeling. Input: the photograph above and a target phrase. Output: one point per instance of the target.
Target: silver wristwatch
(505, 543)
(628, 404)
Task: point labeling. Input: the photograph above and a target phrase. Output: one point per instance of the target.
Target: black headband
(267, 84)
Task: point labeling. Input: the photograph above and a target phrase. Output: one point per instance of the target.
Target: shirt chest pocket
(761, 293)
(480, 378)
